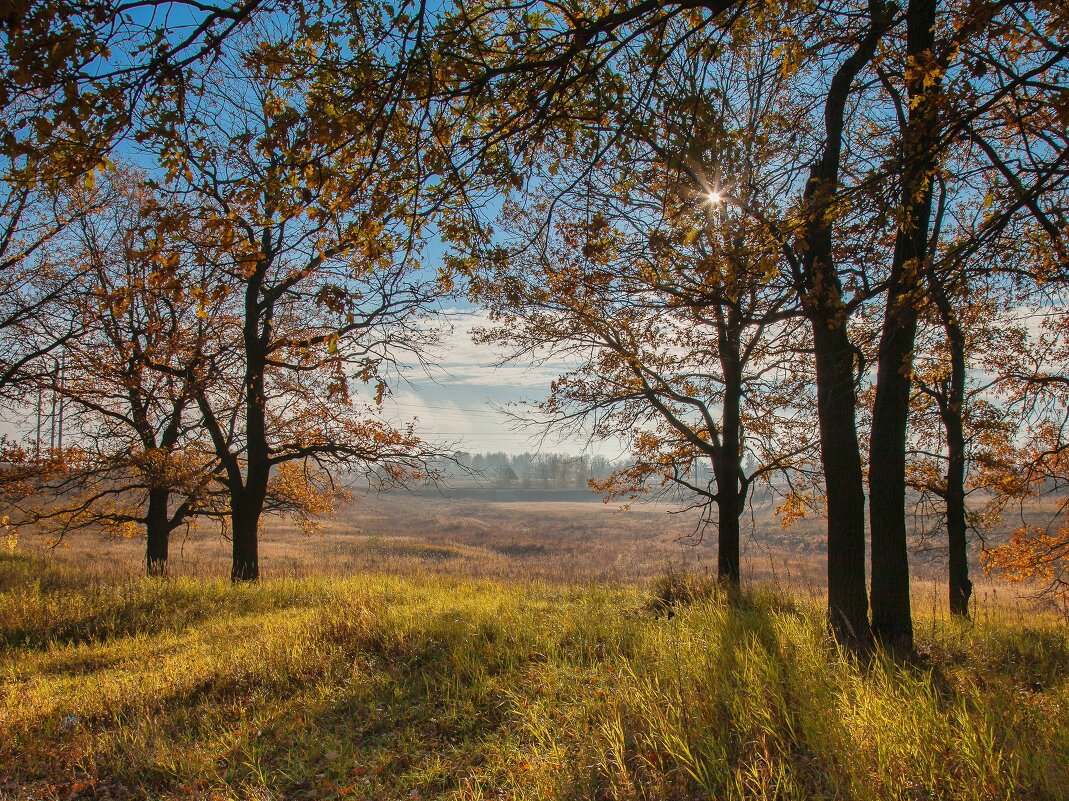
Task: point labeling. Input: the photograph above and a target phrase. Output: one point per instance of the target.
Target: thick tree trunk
(728, 504)
(841, 459)
(727, 557)
(245, 523)
(157, 529)
(822, 299)
(892, 621)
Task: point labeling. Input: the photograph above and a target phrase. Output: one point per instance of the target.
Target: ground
(422, 648)
(584, 541)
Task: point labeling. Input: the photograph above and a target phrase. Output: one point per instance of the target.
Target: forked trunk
(247, 499)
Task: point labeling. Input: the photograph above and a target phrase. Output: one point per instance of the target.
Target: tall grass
(431, 687)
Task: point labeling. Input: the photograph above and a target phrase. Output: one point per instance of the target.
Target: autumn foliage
(816, 250)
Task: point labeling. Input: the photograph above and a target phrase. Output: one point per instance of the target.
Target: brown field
(554, 541)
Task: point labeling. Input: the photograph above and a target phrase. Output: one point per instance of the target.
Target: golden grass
(436, 686)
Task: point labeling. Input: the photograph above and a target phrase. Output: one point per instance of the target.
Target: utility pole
(52, 414)
(40, 404)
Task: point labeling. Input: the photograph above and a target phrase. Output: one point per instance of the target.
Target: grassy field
(443, 686)
(550, 541)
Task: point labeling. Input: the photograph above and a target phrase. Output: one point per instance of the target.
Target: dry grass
(552, 541)
(432, 686)
(423, 648)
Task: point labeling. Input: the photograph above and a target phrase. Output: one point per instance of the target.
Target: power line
(410, 407)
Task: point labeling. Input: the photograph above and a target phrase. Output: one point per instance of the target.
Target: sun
(713, 197)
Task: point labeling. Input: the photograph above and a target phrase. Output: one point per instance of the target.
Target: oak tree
(308, 221)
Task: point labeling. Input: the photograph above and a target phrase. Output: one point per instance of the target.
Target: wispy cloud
(461, 398)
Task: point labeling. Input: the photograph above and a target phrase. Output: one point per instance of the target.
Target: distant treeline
(528, 470)
(542, 470)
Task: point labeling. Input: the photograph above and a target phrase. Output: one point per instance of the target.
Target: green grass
(431, 687)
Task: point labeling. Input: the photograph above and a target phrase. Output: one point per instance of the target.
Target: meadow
(573, 541)
(439, 666)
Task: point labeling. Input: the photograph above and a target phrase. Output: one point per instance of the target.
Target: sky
(465, 401)
(469, 396)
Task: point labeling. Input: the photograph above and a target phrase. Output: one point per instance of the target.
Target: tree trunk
(728, 464)
(892, 620)
(244, 524)
(841, 458)
(822, 299)
(728, 504)
(960, 585)
(247, 500)
(951, 412)
(157, 529)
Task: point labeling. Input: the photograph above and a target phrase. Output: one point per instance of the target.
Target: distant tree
(505, 476)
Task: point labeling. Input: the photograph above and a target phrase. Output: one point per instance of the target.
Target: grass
(429, 686)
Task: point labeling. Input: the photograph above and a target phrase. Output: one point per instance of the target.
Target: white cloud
(468, 385)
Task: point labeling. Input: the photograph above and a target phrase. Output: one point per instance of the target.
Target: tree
(131, 447)
(963, 437)
(677, 312)
(308, 223)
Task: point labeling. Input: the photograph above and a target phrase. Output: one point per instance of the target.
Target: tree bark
(244, 524)
(728, 566)
(728, 505)
(157, 529)
(892, 621)
(728, 464)
(247, 500)
(951, 409)
(841, 458)
(957, 531)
